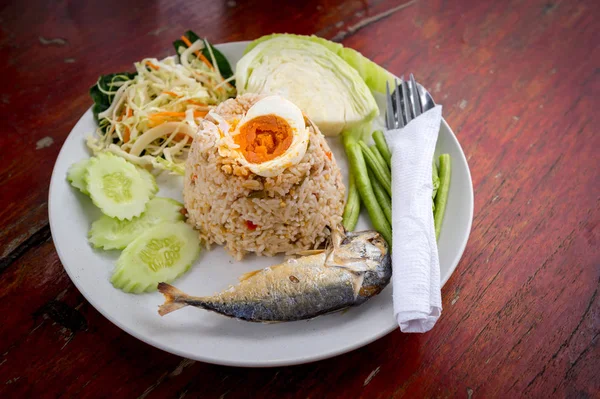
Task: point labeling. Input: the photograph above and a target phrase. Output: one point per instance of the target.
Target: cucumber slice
(76, 174)
(162, 253)
(149, 177)
(111, 233)
(117, 186)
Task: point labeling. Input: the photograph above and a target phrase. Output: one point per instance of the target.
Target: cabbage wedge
(330, 83)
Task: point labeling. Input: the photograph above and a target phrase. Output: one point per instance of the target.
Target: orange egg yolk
(264, 138)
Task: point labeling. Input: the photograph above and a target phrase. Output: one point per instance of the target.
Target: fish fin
(174, 299)
(246, 276)
(253, 273)
(309, 252)
(338, 234)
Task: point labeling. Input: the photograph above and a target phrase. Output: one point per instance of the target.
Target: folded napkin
(416, 265)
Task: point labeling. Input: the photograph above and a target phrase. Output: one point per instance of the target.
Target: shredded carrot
(171, 93)
(151, 65)
(196, 103)
(203, 58)
(180, 137)
(157, 121)
(126, 114)
(198, 53)
(328, 155)
(186, 41)
(166, 113)
(160, 117)
(126, 134)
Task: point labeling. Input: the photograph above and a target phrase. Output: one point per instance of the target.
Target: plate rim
(56, 180)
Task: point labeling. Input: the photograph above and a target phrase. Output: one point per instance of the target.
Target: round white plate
(209, 337)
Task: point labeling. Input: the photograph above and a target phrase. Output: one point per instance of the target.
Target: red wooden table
(519, 81)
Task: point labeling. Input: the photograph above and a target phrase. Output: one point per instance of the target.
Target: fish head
(369, 243)
(362, 251)
(367, 254)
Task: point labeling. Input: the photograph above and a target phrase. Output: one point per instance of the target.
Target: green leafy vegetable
(103, 92)
(219, 58)
(179, 43)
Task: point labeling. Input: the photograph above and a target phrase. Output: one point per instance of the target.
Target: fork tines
(404, 104)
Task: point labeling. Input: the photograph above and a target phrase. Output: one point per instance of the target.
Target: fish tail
(174, 299)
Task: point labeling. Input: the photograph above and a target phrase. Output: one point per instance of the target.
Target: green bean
(381, 173)
(435, 179)
(361, 176)
(382, 198)
(379, 157)
(382, 146)
(436, 184)
(352, 208)
(442, 193)
(380, 161)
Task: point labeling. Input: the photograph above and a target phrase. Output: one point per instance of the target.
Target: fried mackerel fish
(355, 267)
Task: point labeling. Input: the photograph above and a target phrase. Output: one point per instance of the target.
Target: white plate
(210, 337)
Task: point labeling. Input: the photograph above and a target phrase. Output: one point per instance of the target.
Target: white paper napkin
(415, 262)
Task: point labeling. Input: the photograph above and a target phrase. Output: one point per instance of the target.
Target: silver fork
(408, 101)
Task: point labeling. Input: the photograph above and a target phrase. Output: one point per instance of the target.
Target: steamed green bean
(365, 189)
(441, 197)
(380, 172)
(384, 201)
(379, 157)
(382, 146)
(352, 208)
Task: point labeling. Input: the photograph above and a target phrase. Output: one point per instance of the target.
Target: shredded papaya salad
(150, 117)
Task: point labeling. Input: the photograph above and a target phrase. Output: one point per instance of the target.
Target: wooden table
(519, 81)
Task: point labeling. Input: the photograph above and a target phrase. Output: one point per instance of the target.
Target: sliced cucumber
(76, 174)
(149, 177)
(162, 253)
(117, 186)
(112, 233)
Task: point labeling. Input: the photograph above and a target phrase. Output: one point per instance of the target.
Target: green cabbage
(374, 76)
(328, 82)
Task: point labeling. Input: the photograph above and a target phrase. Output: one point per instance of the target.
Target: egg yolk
(264, 138)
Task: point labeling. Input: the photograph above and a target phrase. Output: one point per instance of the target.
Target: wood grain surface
(520, 85)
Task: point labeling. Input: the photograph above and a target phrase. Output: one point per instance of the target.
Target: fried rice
(231, 206)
